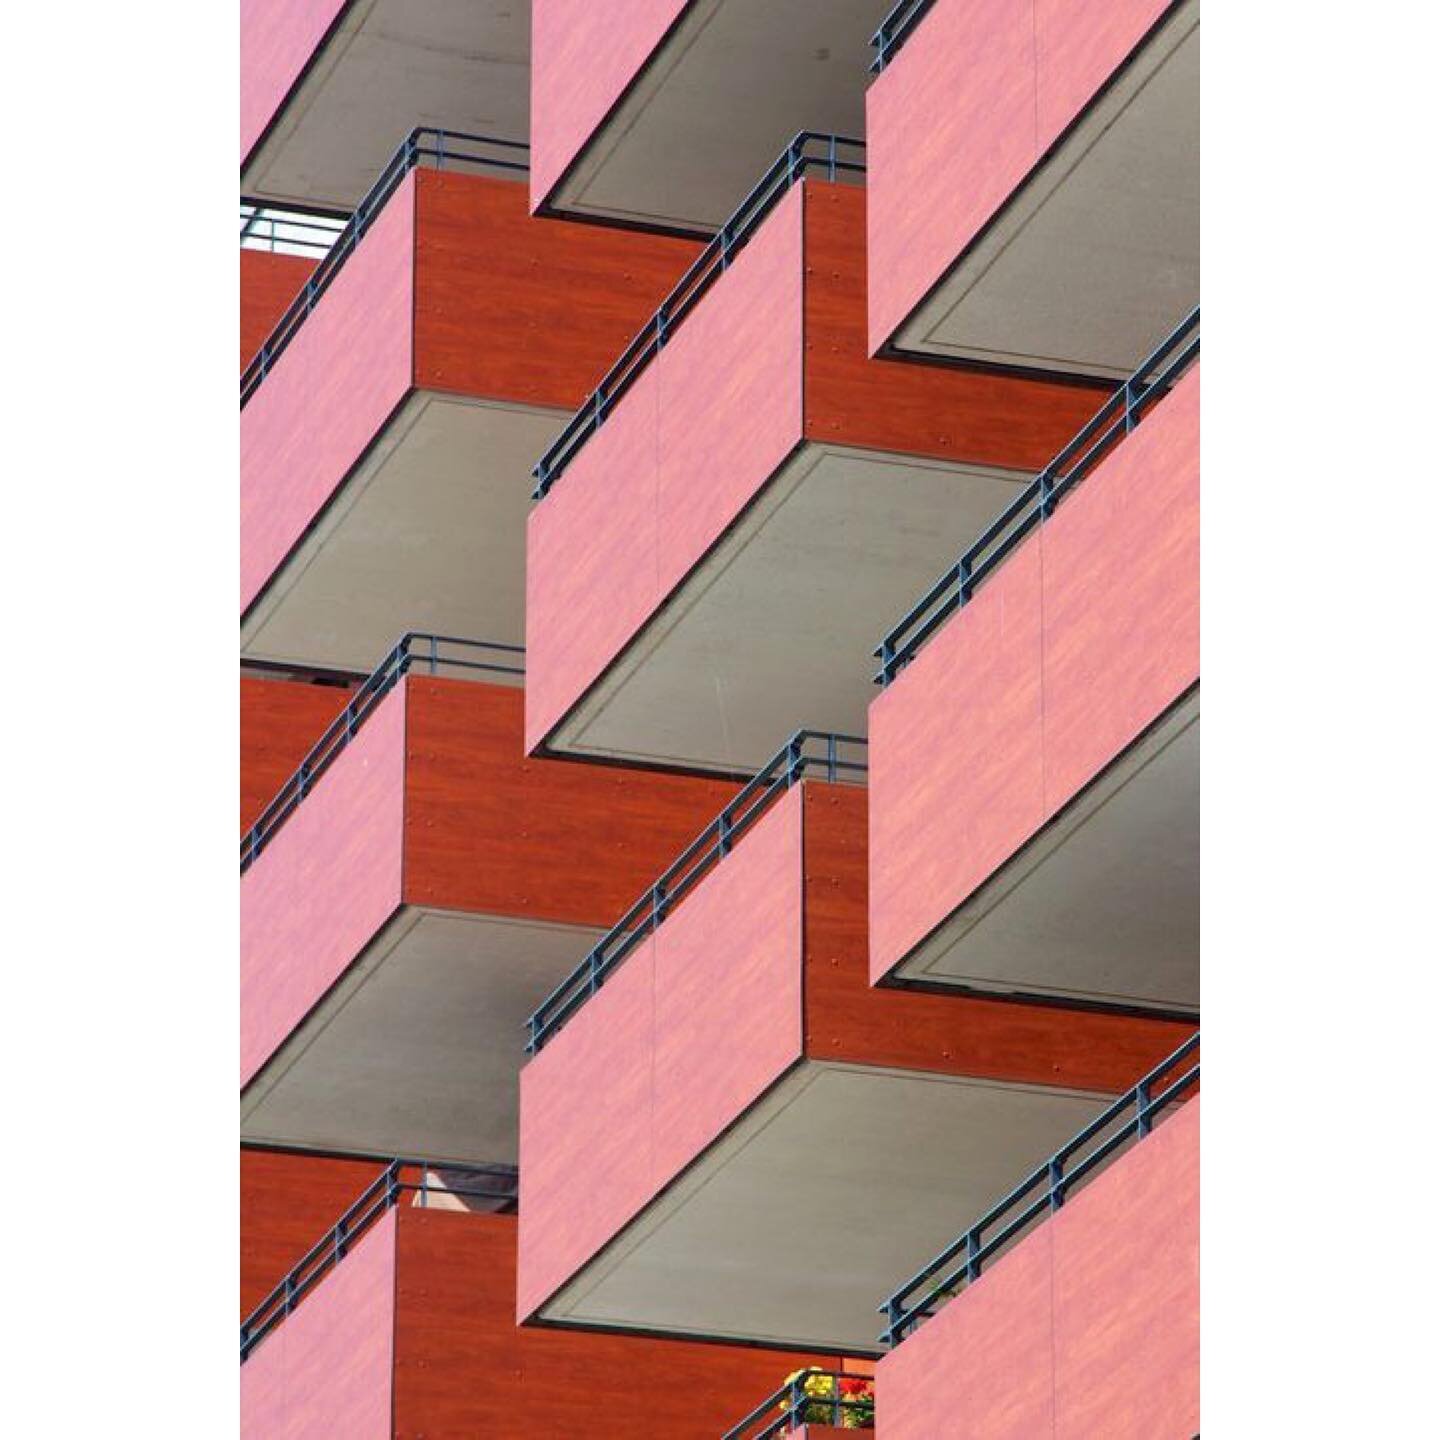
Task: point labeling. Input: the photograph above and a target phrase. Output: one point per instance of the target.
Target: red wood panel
(919, 409)
(1089, 1326)
(1088, 633)
(330, 392)
(323, 886)
(268, 283)
(488, 829)
(533, 311)
(277, 39)
(583, 56)
(279, 721)
(463, 1367)
(640, 1065)
(328, 1369)
(287, 1202)
(682, 454)
(847, 1019)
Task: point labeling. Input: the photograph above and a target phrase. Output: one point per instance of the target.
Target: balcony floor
(1097, 254)
(1103, 905)
(417, 1049)
(774, 630)
(427, 533)
(841, 1182)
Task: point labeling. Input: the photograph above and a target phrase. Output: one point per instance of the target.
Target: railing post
(832, 758)
(657, 904)
(832, 156)
(972, 1257)
(1057, 1183)
(594, 983)
(434, 654)
(1143, 1123)
(724, 826)
(794, 761)
(887, 661)
(289, 1293)
(662, 328)
(339, 1241)
(1047, 493)
(439, 149)
(962, 576)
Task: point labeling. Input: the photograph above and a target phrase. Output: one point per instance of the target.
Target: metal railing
(1037, 500)
(491, 1182)
(441, 148)
(844, 1400)
(436, 653)
(287, 232)
(895, 29)
(1043, 1192)
(807, 751)
(832, 155)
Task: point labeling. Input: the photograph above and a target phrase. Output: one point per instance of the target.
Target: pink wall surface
(323, 886)
(681, 455)
(328, 1369)
(1090, 1326)
(635, 1087)
(583, 55)
(1082, 638)
(350, 363)
(277, 39)
(977, 95)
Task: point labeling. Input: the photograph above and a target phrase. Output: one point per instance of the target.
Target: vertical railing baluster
(1143, 1122)
(1057, 1183)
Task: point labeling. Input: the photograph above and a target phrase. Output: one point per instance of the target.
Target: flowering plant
(856, 1395)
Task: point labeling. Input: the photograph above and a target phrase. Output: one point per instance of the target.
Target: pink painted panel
(1121, 561)
(329, 394)
(583, 56)
(635, 1087)
(704, 428)
(1090, 1326)
(1093, 624)
(324, 885)
(956, 761)
(329, 1368)
(951, 119)
(277, 39)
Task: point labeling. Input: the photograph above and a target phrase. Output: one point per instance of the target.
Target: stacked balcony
(1035, 184)
(390, 420)
(746, 488)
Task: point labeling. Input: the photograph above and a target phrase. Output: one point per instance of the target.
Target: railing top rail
(895, 29)
(279, 231)
(487, 1182)
(1042, 1191)
(1121, 412)
(423, 144)
(437, 653)
(797, 1403)
(834, 155)
(832, 755)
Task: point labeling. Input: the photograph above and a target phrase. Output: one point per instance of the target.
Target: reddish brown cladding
(515, 308)
(279, 721)
(268, 283)
(848, 1019)
(921, 409)
(463, 1367)
(488, 829)
(287, 1202)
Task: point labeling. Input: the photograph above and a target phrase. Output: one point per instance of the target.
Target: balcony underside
(728, 90)
(1095, 256)
(773, 631)
(389, 66)
(417, 1048)
(1103, 905)
(843, 1178)
(426, 533)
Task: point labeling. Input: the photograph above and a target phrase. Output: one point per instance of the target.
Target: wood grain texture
(268, 283)
(462, 1367)
(277, 39)
(323, 886)
(639, 1061)
(680, 456)
(328, 1369)
(847, 1019)
(583, 56)
(1087, 635)
(533, 311)
(488, 829)
(915, 408)
(287, 1202)
(330, 392)
(1089, 1326)
(279, 721)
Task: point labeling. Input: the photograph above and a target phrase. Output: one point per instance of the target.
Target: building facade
(720, 700)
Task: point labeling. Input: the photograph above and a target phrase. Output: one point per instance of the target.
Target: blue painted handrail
(895, 29)
(798, 1407)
